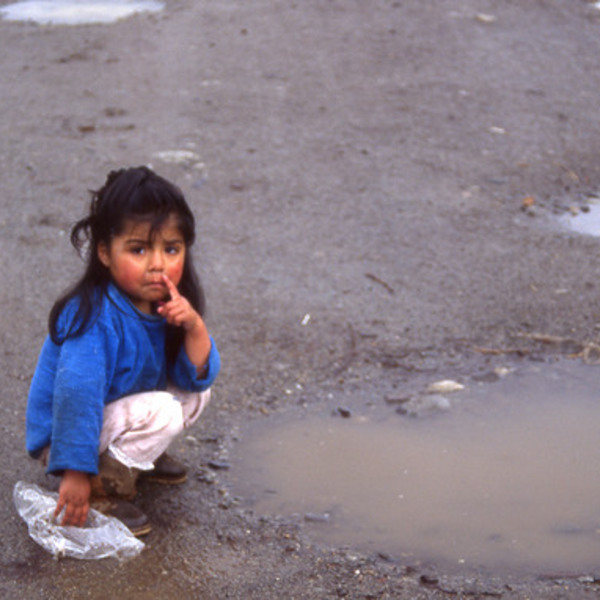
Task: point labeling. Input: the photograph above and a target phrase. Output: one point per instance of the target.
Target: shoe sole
(141, 530)
(104, 506)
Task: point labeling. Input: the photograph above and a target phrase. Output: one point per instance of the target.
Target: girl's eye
(172, 249)
(138, 250)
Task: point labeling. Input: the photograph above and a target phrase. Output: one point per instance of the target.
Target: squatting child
(99, 414)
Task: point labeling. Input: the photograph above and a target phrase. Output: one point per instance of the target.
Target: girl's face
(137, 261)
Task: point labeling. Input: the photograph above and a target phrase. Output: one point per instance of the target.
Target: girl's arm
(179, 312)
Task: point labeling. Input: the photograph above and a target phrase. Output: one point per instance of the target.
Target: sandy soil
(364, 163)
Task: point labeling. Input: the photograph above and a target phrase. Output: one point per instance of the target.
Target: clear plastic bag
(102, 536)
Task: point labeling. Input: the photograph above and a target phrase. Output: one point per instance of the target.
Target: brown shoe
(114, 479)
(130, 515)
(166, 470)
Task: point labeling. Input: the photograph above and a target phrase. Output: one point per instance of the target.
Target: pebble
(343, 412)
(502, 371)
(292, 547)
(206, 476)
(397, 399)
(185, 158)
(435, 402)
(444, 387)
(430, 403)
(219, 465)
(485, 18)
(317, 517)
(426, 579)
(489, 377)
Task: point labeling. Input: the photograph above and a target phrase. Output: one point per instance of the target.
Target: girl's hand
(74, 496)
(178, 311)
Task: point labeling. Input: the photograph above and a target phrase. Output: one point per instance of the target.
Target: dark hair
(135, 194)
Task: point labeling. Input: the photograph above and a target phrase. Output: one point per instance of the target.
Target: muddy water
(506, 479)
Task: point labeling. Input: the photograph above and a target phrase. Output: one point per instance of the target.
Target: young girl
(98, 412)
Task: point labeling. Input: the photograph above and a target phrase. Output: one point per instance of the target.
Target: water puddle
(507, 479)
(76, 12)
(587, 222)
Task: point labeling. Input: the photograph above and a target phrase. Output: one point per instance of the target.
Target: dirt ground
(358, 170)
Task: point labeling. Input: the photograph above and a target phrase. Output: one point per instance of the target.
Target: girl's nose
(157, 261)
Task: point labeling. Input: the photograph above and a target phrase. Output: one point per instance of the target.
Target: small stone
(485, 18)
(206, 476)
(292, 547)
(502, 371)
(445, 386)
(423, 405)
(528, 202)
(237, 185)
(397, 399)
(343, 412)
(219, 465)
(426, 579)
(178, 157)
(489, 377)
(226, 503)
(113, 111)
(317, 517)
(435, 402)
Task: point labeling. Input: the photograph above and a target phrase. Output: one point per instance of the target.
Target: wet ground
(379, 189)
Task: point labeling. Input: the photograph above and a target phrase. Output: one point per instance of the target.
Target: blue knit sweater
(121, 352)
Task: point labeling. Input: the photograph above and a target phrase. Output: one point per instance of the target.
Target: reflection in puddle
(508, 479)
(76, 12)
(584, 222)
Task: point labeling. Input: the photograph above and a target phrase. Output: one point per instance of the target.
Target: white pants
(137, 429)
